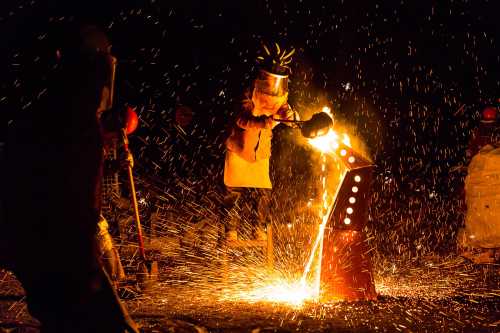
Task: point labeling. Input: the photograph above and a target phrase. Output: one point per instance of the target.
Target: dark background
(419, 73)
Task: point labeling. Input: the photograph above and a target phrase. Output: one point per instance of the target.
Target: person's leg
(65, 303)
(109, 257)
(230, 215)
(263, 210)
(66, 289)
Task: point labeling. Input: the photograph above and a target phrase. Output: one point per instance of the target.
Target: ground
(431, 294)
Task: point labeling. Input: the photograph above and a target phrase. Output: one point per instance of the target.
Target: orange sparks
(292, 292)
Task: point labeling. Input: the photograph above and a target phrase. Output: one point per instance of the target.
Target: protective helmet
(95, 43)
(489, 114)
(271, 84)
(274, 69)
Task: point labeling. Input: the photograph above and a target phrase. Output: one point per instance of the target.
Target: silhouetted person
(487, 133)
(53, 170)
(248, 147)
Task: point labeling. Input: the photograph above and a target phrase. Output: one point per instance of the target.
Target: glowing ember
(326, 143)
(292, 293)
(329, 142)
(296, 293)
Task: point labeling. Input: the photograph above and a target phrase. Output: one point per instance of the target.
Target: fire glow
(329, 142)
(307, 289)
(292, 293)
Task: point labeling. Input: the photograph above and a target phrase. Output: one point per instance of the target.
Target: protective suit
(482, 195)
(248, 147)
(480, 239)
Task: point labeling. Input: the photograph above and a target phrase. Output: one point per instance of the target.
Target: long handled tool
(148, 269)
(319, 124)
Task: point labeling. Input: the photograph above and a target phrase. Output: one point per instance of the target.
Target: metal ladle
(319, 124)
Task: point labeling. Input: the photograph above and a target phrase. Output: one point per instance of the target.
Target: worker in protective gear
(488, 131)
(480, 239)
(54, 166)
(115, 158)
(248, 147)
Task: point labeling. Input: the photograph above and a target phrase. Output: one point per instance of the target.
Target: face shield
(270, 93)
(271, 84)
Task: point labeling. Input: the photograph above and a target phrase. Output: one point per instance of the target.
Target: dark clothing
(54, 168)
(484, 134)
(241, 202)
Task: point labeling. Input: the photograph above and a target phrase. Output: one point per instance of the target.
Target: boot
(231, 235)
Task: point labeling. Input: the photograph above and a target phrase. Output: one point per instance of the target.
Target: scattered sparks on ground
(408, 115)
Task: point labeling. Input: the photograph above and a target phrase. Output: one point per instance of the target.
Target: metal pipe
(140, 238)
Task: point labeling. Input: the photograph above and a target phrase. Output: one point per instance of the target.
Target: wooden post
(269, 250)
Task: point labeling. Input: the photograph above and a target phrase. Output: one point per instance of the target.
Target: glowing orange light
(347, 221)
(355, 189)
(280, 290)
(351, 159)
(349, 210)
(357, 179)
(329, 142)
(352, 200)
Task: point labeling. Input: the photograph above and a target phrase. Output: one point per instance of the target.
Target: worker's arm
(287, 113)
(246, 120)
(472, 147)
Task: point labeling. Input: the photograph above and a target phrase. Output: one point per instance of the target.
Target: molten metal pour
(345, 270)
(319, 125)
(339, 266)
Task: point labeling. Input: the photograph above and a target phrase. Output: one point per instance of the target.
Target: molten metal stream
(296, 293)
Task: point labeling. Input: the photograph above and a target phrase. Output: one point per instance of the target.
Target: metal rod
(140, 238)
(113, 63)
(289, 121)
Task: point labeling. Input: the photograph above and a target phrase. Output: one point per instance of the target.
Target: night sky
(409, 77)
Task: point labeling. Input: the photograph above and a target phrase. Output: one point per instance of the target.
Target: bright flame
(326, 143)
(293, 293)
(317, 249)
(296, 293)
(329, 142)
